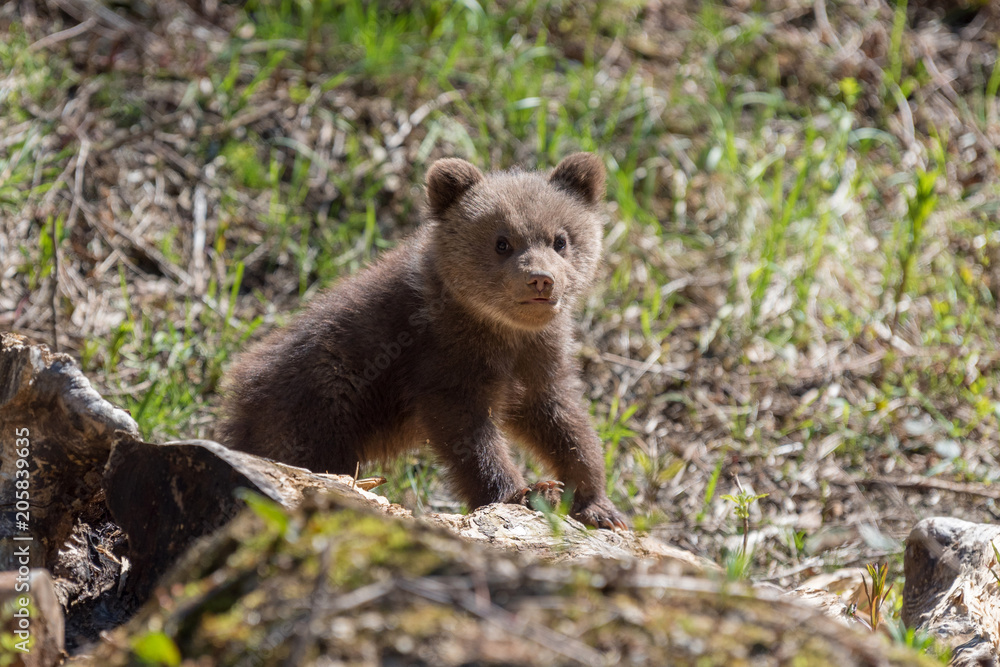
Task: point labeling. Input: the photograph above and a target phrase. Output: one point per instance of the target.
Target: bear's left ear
(581, 175)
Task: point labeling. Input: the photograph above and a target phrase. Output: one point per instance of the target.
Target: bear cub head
(516, 248)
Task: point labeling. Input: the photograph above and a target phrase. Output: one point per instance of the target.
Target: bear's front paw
(551, 491)
(600, 513)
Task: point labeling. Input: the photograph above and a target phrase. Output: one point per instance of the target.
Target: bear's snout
(542, 282)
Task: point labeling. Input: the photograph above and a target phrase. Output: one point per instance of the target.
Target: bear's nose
(542, 280)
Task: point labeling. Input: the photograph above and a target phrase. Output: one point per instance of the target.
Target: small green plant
(710, 489)
(743, 500)
(738, 565)
(996, 556)
(409, 481)
(798, 541)
(615, 428)
(918, 640)
(612, 431)
(895, 70)
(911, 232)
(156, 648)
(554, 514)
(418, 479)
(852, 613)
(273, 514)
(876, 592)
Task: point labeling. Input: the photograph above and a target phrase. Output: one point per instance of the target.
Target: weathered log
(50, 414)
(951, 588)
(166, 496)
(559, 539)
(330, 584)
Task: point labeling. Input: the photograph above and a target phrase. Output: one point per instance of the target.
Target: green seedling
(743, 500)
(911, 233)
(876, 592)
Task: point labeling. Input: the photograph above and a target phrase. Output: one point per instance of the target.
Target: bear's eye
(502, 246)
(560, 243)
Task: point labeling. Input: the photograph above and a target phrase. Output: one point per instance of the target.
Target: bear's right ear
(447, 179)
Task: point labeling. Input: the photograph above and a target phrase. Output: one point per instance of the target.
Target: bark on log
(49, 410)
(951, 591)
(166, 496)
(518, 528)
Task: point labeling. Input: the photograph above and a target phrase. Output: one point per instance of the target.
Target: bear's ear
(581, 175)
(447, 179)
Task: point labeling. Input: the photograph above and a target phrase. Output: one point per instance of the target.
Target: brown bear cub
(459, 338)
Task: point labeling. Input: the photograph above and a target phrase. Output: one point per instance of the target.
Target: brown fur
(449, 340)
